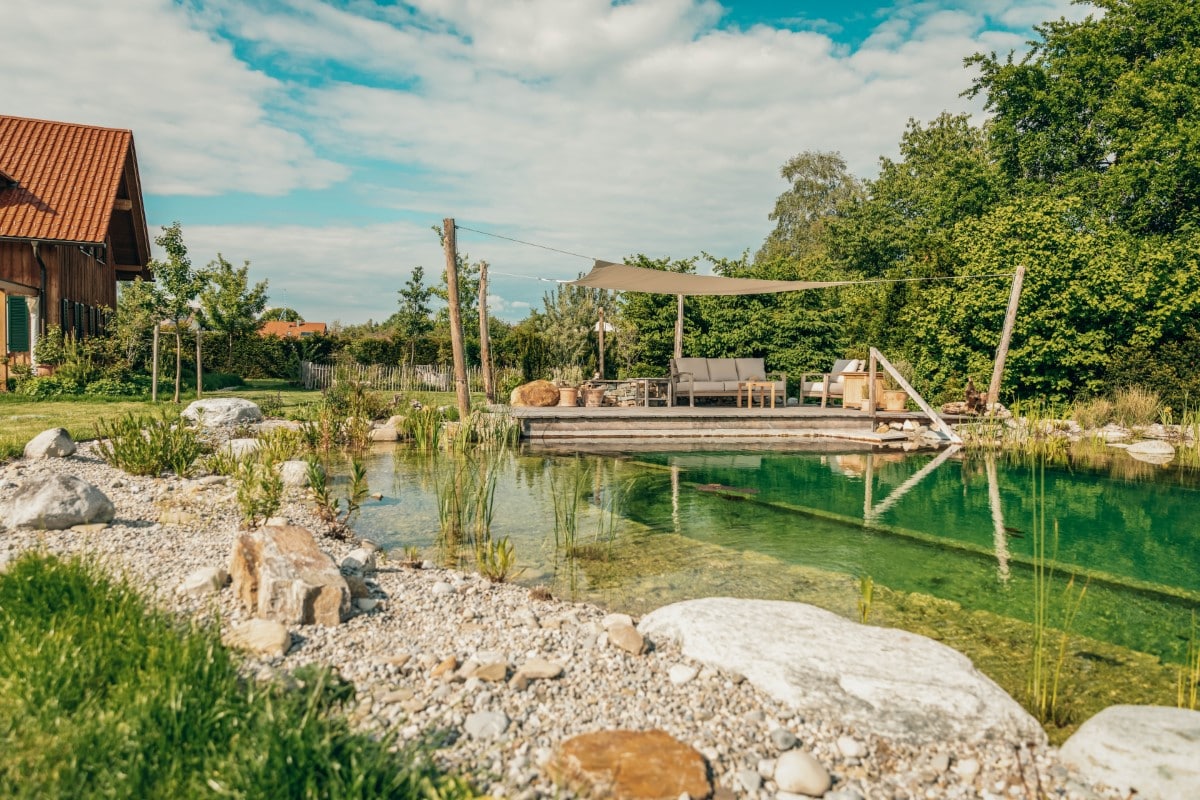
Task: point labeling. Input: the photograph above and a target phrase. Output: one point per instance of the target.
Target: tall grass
(1135, 407)
(101, 696)
(1054, 614)
(567, 488)
(145, 444)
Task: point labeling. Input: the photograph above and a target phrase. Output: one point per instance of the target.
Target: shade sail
(628, 278)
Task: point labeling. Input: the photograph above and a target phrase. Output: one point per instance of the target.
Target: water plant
(495, 558)
(153, 706)
(1045, 691)
(424, 426)
(567, 488)
(866, 596)
(1093, 413)
(144, 444)
(1188, 684)
(328, 507)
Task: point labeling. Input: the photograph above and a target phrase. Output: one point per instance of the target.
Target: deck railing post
(934, 417)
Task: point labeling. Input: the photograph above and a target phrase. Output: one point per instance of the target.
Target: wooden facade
(71, 225)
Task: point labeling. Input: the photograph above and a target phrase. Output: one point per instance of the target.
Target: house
(72, 224)
(293, 330)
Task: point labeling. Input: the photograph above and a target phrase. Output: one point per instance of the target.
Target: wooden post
(485, 342)
(199, 368)
(872, 400)
(600, 334)
(456, 334)
(1010, 317)
(679, 328)
(154, 367)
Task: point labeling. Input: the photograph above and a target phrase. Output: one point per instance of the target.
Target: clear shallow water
(657, 527)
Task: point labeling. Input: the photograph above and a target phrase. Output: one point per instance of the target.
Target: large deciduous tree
(820, 184)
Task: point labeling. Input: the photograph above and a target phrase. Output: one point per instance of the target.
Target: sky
(322, 141)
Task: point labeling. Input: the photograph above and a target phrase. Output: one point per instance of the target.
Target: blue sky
(322, 140)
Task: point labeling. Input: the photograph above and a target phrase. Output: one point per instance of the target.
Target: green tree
(645, 322)
(820, 185)
(412, 321)
(1105, 109)
(568, 321)
(132, 324)
(228, 304)
(176, 287)
(281, 314)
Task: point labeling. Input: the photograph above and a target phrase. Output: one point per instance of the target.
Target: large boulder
(890, 682)
(217, 411)
(536, 393)
(279, 573)
(1151, 750)
(54, 443)
(56, 502)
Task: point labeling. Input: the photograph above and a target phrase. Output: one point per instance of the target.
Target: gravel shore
(405, 656)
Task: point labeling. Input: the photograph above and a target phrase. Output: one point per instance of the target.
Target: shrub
(148, 445)
(46, 387)
(113, 387)
(148, 706)
(214, 381)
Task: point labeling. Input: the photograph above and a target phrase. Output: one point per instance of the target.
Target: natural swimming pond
(951, 543)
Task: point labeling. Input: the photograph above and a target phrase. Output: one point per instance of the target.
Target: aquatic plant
(866, 595)
(424, 426)
(567, 488)
(495, 558)
(329, 507)
(1188, 686)
(1045, 690)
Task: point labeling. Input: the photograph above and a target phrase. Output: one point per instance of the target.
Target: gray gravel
(497, 733)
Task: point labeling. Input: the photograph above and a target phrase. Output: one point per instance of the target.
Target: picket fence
(403, 378)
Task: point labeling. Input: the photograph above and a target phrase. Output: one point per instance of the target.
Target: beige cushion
(846, 365)
(697, 366)
(722, 369)
(750, 369)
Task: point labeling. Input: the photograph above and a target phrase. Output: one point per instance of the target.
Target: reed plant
(1054, 614)
(1134, 406)
(866, 597)
(1093, 413)
(424, 427)
(1188, 689)
(495, 559)
(104, 696)
(567, 488)
(145, 444)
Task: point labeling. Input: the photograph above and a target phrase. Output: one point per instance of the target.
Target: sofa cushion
(722, 369)
(697, 366)
(750, 369)
(846, 365)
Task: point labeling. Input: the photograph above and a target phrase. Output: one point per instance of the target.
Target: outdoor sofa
(719, 377)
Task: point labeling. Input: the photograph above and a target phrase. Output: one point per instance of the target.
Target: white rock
(1152, 750)
(241, 448)
(367, 603)
(56, 502)
(798, 771)
(612, 620)
(216, 411)
(442, 588)
(486, 724)
(295, 473)
(203, 581)
(261, 636)
(53, 443)
(1151, 451)
(384, 434)
(850, 747)
(682, 673)
(967, 769)
(885, 681)
(359, 561)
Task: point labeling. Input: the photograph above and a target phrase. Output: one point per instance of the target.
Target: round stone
(798, 771)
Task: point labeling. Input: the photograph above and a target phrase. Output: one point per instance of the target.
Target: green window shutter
(18, 325)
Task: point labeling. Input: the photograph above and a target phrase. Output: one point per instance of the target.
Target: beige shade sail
(628, 278)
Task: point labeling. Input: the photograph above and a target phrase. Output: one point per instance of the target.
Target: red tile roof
(293, 330)
(67, 179)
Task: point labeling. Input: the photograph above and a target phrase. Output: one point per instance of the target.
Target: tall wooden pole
(154, 366)
(679, 327)
(600, 333)
(485, 341)
(199, 367)
(1010, 317)
(456, 334)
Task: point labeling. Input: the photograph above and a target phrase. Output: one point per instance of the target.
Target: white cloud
(197, 112)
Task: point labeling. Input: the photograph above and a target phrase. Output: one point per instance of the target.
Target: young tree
(228, 304)
(176, 286)
(412, 321)
(571, 313)
(820, 185)
(133, 321)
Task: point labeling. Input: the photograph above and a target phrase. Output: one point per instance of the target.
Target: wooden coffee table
(764, 387)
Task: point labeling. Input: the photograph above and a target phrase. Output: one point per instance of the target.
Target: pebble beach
(497, 677)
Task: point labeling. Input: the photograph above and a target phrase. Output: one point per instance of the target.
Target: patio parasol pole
(679, 328)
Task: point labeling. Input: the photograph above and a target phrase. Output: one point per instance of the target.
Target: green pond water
(656, 527)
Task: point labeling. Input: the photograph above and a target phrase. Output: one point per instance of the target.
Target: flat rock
(631, 765)
(627, 638)
(216, 411)
(1151, 750)
(295, 473)
(890, 682)
(535, 669)
(279, 573)
(56, 502)
(53, 443)
(262, 637)
(486, 724)
(1151, 451)
(203, 581)
(240, 448)
(360, 561)
(384, 434)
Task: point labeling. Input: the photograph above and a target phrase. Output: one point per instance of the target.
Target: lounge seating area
(722, 377)
(829, 385)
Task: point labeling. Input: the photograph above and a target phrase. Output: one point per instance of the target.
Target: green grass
(103, 696)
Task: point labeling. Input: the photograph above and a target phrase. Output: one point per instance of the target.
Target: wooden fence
(405, 378)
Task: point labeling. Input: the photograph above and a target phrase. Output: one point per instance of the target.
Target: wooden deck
(725, 423)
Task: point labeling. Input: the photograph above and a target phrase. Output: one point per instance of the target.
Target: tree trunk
(178, 362)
